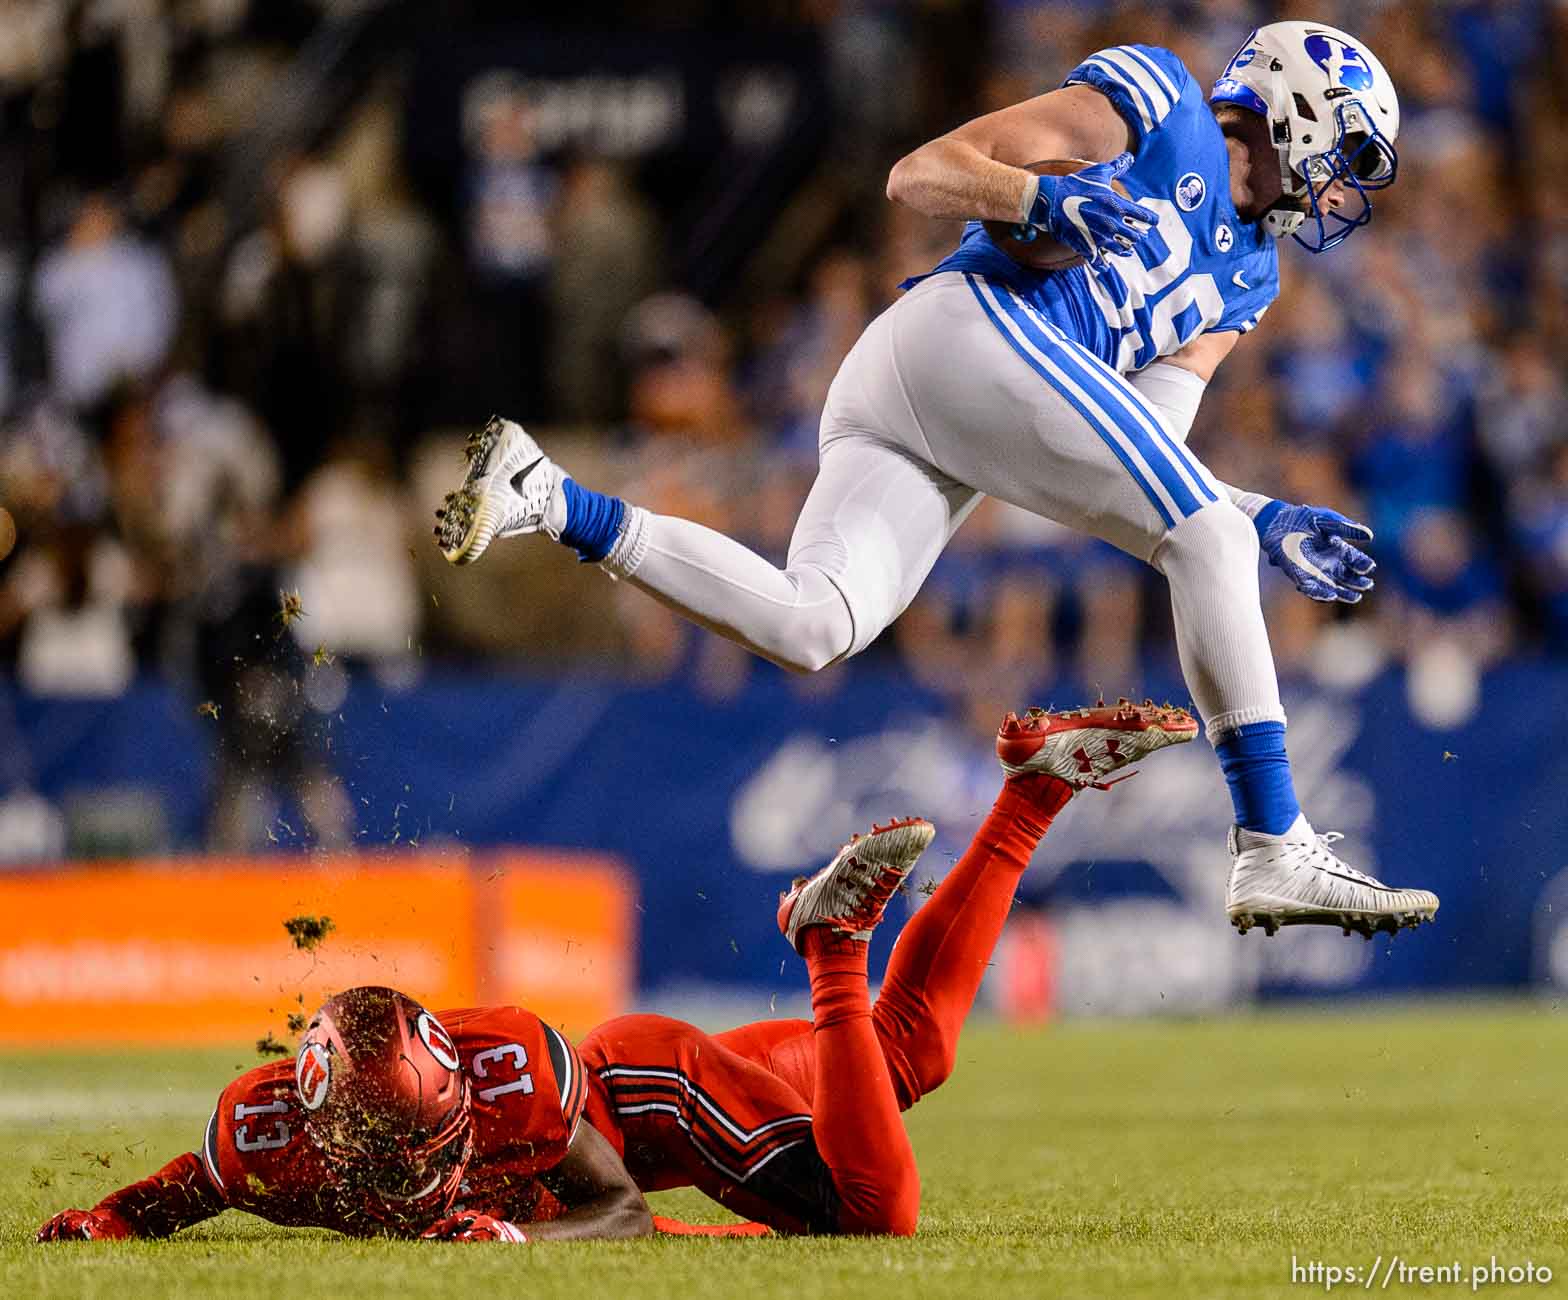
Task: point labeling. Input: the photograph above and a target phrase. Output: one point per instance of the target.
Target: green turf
(1094, 1159)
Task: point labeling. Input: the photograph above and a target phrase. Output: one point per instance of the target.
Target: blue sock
(1258, 773)
(593, 521)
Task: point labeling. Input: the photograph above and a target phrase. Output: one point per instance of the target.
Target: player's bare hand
(1083, 211)
(85, 1225)
(473, 1227)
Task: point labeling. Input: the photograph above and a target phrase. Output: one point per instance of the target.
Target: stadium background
(262, 263)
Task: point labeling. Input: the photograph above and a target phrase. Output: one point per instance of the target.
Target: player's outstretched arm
(1317, 548)
(175, 1197)
(591, 1181)
(977, 172)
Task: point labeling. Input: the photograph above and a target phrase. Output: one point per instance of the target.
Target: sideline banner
(556, 935)
(196, 951)
(717, 793)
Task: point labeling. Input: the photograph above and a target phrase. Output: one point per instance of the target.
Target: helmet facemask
(1361, 158)
(403, 1180)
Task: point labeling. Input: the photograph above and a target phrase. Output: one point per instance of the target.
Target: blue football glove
(1309, 544)
(1085, 213)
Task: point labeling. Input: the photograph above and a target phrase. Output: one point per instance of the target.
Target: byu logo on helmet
(1342, 62)
(1189, 191)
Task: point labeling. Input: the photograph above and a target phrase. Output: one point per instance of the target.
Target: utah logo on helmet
(313, 1074)
(1333, 116)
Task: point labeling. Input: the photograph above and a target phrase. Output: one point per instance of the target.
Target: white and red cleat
(851, 893)
(1084, 746)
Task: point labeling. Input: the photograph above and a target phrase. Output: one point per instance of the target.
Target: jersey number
(280, 1133)
(1169, 248)
(518, 1055)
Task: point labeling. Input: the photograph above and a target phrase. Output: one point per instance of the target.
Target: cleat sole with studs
(876, 862)
(463, 529)
(1366, 924)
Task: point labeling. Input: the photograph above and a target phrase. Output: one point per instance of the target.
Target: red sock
(855, 1118)
(941, 957)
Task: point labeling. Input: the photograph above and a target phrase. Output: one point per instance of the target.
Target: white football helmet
(1332, 114)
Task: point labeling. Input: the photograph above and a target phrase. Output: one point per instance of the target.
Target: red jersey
(529, 1089)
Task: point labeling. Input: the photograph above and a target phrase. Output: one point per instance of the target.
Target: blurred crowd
(241, 334)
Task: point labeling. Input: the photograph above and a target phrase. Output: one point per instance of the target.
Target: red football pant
(732, 1113)
(870, 1064)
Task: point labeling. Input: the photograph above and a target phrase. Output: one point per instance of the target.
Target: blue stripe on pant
(1110, 384)
(1095, 423)
(1108, 410)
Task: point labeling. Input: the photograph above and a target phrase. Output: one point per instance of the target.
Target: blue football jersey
(1202, 268)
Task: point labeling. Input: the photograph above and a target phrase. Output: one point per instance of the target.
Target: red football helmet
(386, 1102)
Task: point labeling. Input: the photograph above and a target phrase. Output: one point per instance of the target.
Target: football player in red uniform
(386, 1118)
(470, 1125)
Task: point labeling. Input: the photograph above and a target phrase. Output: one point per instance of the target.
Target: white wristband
(1031, 193)
(1250, 503)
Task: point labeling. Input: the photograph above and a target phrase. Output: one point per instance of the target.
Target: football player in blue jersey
(1068, 392)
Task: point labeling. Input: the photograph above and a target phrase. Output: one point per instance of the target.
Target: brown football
(1043, 252)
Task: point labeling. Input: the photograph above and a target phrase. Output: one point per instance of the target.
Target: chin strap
(1281, 221)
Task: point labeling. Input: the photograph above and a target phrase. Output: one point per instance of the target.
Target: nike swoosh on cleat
(1239, 282)
(1381, 889)
(1291, 544)
(521, 477)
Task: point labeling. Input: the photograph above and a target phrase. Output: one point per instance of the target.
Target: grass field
(1095, 1159)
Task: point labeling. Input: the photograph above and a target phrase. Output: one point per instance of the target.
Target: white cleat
(509, 490)
(851, 893)
(1296, 879)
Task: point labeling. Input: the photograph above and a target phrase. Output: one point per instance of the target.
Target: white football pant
(957, 390)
